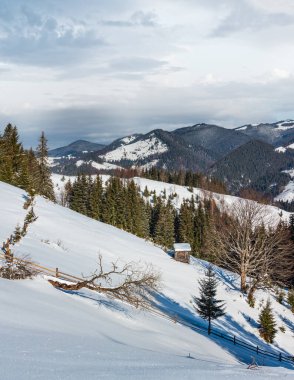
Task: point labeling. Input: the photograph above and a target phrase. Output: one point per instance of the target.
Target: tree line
(25, 168)
(177, 177)
(123, 204)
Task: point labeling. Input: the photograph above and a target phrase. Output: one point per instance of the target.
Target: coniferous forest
(24, 168)
(122, 204)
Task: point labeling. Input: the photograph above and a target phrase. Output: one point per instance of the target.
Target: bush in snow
(290, 299)
(280, 296)
(13, 268)
(17, 234)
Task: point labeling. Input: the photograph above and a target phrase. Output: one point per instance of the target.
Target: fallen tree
(131, 283)
(17, 268)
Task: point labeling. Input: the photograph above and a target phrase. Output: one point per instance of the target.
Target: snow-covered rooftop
(180, 247)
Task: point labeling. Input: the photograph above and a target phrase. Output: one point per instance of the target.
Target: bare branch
(131, 283)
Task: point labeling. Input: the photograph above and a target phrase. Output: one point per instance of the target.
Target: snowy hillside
(52, 334)
(137, 150)
(287, 195)
(183, 192)
(180, 194)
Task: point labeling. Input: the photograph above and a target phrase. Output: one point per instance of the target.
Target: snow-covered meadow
(51, 334)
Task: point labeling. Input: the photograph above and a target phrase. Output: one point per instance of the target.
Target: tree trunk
(243, 282)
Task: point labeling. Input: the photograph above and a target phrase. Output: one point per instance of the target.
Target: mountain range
(253, 155)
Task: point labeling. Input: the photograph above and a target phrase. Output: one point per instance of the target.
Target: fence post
(280, 357)
(234, 339)
(56, 274)
(257, 349)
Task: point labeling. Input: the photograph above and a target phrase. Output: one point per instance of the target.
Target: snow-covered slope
(137, 150)
(50, 334)
(181, 193)
(287, 195)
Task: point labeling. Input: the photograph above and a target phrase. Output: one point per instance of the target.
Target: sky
(102, 69)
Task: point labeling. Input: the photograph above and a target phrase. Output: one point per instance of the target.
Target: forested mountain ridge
(219, 140)
(256, 165)
(276, 134)
(241, 157)
(196, 147)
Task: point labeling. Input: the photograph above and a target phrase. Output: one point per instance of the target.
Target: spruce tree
(78, 200)
(95, 199)
(45, 185)
(208, 307)
(164, 233)
(11, 156)
(33, 172)
(185, 223)
(267, 323)
(67, 194)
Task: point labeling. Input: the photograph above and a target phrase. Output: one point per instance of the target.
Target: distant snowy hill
(277, 134)
(76, 148)
(52, 334)
(287, 195)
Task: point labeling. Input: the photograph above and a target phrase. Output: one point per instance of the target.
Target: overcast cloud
(102, 69)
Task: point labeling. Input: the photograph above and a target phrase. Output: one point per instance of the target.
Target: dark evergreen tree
(208, 307)
(186, 223)
(44, 185)
(96, 198)
(267, 323)
(78, 199)
(11, 156)
(199, 229)
(164, 233)
(137, 212)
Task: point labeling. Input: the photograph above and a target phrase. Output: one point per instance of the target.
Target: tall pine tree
(44, 183)
(208, 307)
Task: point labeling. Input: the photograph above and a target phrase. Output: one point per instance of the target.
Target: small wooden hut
(182, 252)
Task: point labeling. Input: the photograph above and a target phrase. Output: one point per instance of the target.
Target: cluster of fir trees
(26, 169)
(121, 203)
(117, 203)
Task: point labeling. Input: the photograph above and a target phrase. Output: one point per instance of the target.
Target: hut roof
(182, 247)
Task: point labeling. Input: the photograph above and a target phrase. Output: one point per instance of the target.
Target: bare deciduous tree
(131, 283)
(253, 245)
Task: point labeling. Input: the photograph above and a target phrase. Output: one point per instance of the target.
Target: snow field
(52, 334)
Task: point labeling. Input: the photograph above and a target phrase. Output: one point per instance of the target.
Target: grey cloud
(32, 17)
(227, 104)
(136, 64)
(38, 40)
(138, 18)
(243, 16)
